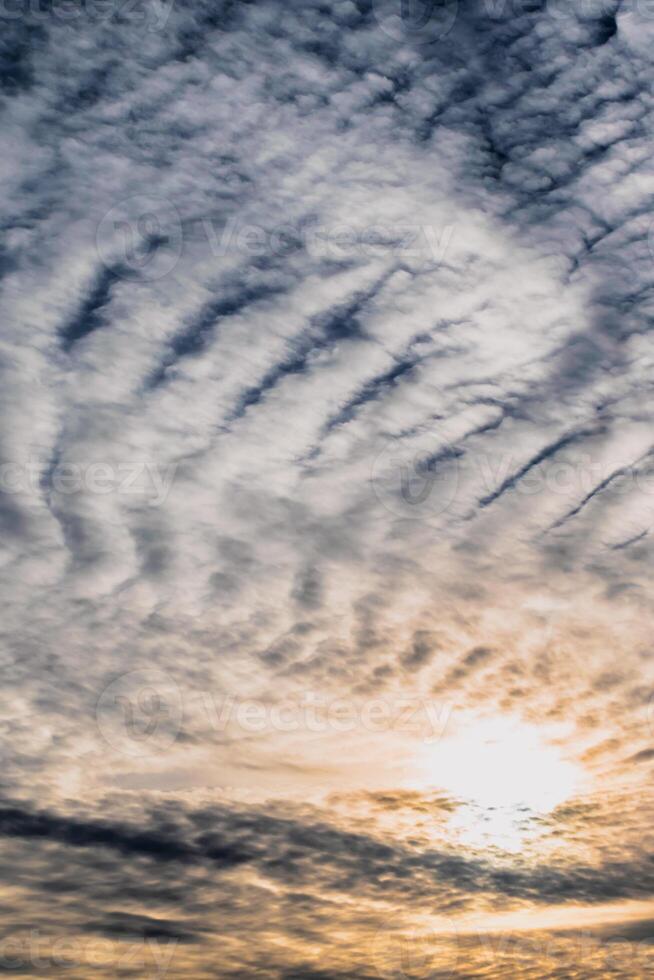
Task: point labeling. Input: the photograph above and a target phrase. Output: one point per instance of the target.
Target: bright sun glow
(503, 771)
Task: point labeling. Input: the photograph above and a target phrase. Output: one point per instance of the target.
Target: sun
(503, 771)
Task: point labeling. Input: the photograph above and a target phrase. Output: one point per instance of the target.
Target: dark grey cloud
(127, 926)
(301, 850)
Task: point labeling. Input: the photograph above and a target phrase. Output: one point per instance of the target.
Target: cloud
(326, 372)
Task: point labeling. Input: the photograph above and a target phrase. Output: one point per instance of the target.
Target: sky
(326, 487)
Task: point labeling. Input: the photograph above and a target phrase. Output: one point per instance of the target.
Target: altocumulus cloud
(326, 367)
